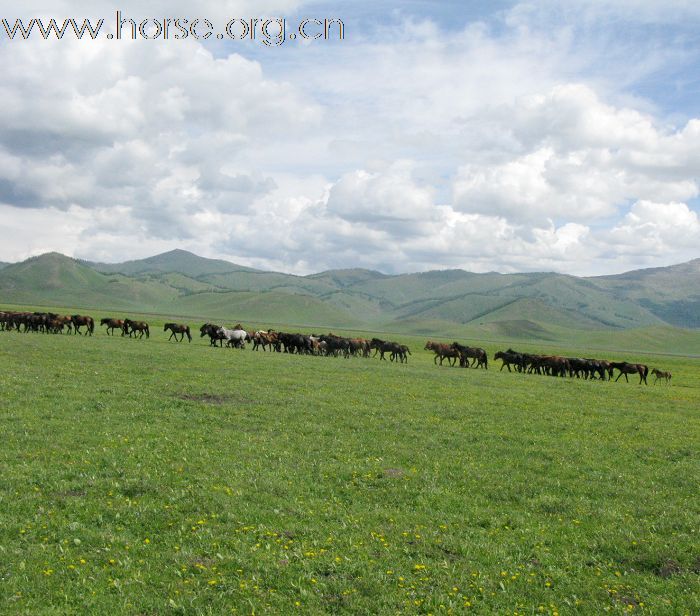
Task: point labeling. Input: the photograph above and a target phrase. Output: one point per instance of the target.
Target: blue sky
(508, 136)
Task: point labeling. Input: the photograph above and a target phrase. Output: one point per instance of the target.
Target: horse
(234, 337)
(265, 339)
(627, 368)
(80, 320)
(442, 351)
(178, 328)
(113, 324)
(55, 323)
(397, 352)
(666, 376)
(510, 357)
(478, 355)
(211, 330)
(375, 344)
(553, 365)
(403, 353)
(131, 327)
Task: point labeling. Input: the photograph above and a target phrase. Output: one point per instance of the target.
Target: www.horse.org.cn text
(271, 32)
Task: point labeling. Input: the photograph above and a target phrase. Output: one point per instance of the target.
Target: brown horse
(83, 320)
(666, 376)
(178, 328)
(131, 327)
(113, 324)
(627, 368)
(476, 354)
(553, 365)
(264, 339)
(442, 351)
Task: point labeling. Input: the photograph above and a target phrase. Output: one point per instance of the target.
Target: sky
(488, 136)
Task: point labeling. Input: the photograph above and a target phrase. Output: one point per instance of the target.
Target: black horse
(214, 333)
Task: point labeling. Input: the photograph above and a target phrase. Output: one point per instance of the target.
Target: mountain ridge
(181, 280)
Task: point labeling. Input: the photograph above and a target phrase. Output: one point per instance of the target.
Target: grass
(145, 477)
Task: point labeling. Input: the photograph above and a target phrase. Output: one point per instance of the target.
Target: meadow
(149, 477)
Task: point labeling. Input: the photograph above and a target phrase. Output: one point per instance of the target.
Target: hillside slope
(179, 282)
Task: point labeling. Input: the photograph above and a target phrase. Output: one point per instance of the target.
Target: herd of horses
(48, 322)
(587, 368)
(305, 344)
(335, 346)
(551, 365)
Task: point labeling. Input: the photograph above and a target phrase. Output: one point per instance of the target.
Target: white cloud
(657, 229)
(486, 148)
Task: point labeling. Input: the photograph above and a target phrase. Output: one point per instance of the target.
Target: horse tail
(187, 331)
(148, 334)
(91, 325)
(486, 361)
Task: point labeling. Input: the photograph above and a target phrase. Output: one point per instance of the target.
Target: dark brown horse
(627, 368)
(131, 327)
(178, 328)
(113, 324)
(553, 365)
(509, 358)
(83, 320)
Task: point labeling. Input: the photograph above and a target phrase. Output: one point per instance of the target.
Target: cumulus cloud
(503, 145)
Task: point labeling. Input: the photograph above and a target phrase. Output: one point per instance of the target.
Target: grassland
(145, 477)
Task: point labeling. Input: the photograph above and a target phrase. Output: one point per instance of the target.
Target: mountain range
(529, 304)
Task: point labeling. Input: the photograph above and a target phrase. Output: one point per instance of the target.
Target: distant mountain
(3, 264)
(529, 305)
(671, 293)
(348, 277)
(54, 279)
(179, 261)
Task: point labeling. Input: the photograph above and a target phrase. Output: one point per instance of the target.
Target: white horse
(234, 337)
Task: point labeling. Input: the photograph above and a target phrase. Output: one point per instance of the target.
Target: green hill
(536, 305)
(265, 308)
(53, 279)
(180, 261)
(671, 293)
(348, 277)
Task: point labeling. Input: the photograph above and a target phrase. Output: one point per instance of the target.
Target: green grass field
(147, 477)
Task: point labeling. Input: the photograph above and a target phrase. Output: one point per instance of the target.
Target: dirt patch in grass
(72, 493)
(216, 399)
(669, 568)
(393, 472)
(628, 600)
